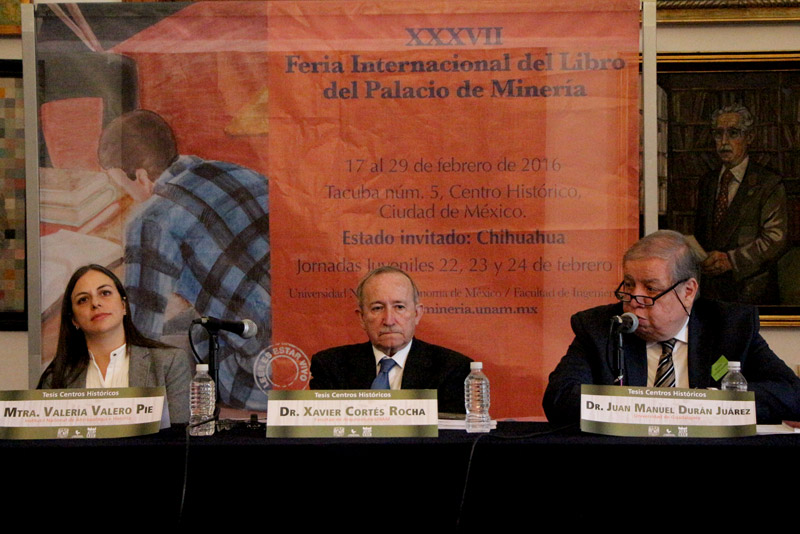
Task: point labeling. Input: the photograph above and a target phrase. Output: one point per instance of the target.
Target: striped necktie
(665, 374)
(382, 380)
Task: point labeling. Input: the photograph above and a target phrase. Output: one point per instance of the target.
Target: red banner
(490, 153)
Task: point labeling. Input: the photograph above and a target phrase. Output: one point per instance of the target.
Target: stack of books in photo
(74, 191)
(72, 197)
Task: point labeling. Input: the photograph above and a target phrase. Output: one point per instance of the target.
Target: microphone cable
(499, 437)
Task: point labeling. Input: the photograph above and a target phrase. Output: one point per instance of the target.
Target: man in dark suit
(741, 217)
(389, 311)
(660, 287)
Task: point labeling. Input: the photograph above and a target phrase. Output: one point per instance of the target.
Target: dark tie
(382, 380)
(665, 374)
(721, 205)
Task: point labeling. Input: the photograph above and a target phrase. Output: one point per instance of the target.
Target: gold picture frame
(726, 11)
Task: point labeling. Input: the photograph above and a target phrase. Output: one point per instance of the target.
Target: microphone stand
(213, 364)
(617, 327)
(620, 359)
(245, 329)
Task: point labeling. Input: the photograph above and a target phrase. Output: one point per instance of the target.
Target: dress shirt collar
(680, 358)
(116, 373)
(399, 357)
(682, 335)
(738, 171)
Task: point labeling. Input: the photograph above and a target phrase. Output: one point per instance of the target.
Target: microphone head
(629, 323)
(251, 329)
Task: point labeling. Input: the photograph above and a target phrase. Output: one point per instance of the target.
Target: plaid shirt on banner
(204, 235)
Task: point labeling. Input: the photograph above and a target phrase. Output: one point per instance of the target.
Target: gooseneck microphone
(244, 328)
(625, 323)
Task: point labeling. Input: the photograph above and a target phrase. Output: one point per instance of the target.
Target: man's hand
(139, 189)
(716, 263)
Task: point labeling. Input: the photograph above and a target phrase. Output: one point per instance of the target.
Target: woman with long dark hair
(99, 346)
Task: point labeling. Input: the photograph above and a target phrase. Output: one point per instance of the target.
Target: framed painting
(739, 113)
(13, 301)
(10, 16)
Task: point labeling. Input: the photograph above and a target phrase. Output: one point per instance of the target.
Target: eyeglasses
(733, 133)
(644, 300)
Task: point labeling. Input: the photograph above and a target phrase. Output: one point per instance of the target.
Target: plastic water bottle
(202, 402)
(734, 380)
(476, 399)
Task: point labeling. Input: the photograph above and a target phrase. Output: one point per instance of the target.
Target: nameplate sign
(80, 413)
(352, 413)
(667, 412)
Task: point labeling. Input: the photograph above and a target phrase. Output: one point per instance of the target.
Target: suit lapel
(417, 367)
(706, 345)
(362, 367)
(635, 360)
(415, 373)
(138, 367)
(80, 381)
(706, 209)
(634, 352)
(730, 222)
(701, 342)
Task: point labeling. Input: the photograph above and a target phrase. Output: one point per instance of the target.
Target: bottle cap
(202, 367)
(475, 365)
(734, 366)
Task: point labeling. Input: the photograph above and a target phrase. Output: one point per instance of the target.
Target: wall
(671, 39)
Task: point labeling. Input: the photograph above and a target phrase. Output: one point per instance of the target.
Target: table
(521, 474)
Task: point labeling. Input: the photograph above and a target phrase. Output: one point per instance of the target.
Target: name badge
(340, 413)
(667, 412)
(80, 413)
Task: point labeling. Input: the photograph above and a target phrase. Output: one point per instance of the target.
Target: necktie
(665, 374)
(721, 204)
(382, 380)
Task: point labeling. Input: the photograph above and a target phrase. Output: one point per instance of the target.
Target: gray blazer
(152, 367)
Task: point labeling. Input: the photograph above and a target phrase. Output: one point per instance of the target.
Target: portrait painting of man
(730, 173)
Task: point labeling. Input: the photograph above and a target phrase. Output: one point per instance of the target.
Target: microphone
(625, 323)
(244, 328)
